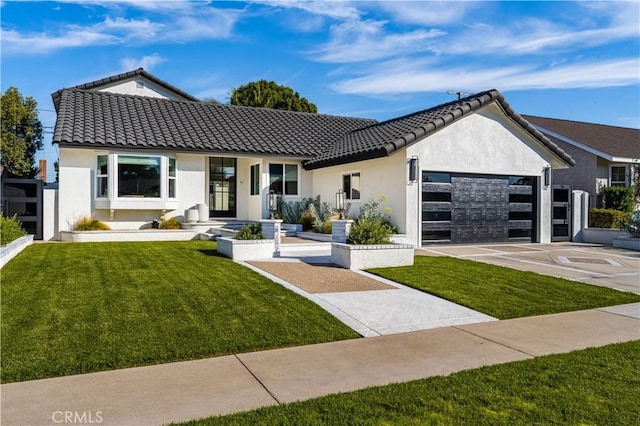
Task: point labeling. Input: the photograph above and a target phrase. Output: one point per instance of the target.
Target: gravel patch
(321, 278)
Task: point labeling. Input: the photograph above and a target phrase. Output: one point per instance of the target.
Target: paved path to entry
(370, 305)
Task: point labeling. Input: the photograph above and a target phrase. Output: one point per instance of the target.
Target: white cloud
(171, 22)
(356, 41)
(402, 77)
(15, 42)
(427, 13)
(340, 10)
(147, 62)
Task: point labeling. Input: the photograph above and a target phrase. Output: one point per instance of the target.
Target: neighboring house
(133, 147)
(605, 155)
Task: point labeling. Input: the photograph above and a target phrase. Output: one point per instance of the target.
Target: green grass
(598, 386)
(78, 308)
(501, 292)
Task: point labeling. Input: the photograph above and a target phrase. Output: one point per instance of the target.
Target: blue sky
(380, 59)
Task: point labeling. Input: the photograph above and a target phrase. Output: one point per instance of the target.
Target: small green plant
(632, 225)
(369, 232)
(252, 231)
(171, 223)
(373, 226)
(88, 223)
(292, 211)
(10, 230)
(322, 212)
(618, 198)
(606, 218)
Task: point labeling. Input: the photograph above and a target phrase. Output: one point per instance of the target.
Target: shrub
(632, 225)
(171, 223)
(87, 223)
(617, 198)
(292, 211)
(322, 212)
(10, 230)
(252, 231)
(606, 218)
(306, 220)
(370, 232)
(373, 225)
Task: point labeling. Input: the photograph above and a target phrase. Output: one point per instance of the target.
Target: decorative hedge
(606, 218)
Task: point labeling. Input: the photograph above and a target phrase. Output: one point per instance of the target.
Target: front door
(222, 187)
(561, 213)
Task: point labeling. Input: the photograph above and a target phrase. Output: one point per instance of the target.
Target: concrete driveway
(588, 263)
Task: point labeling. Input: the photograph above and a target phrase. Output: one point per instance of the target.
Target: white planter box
(292, 227)
(627, 243)
(371, 256)
(246, 249)
(12, 249)
(127, 235)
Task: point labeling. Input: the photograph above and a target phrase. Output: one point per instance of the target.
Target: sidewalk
(188, 390)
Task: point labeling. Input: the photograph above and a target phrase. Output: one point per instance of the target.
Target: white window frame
(349, 195)
(114, 201)
(624, 183)
(284, 177)
(102, 176)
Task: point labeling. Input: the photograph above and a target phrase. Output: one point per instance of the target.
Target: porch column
(340, 229)
(271, 230)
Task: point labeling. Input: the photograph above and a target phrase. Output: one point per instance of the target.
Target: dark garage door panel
(480, 207)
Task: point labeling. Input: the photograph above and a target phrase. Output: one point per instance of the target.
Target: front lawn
(84, 307)
(597, 386)
(501, 292)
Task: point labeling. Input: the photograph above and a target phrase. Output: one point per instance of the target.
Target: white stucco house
(133, 147)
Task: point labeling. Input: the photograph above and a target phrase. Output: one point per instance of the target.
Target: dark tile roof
(106, 120)
(382, 139)
(126, 75)
(612, 140)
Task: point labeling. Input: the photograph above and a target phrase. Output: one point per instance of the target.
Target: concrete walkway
(182, 391)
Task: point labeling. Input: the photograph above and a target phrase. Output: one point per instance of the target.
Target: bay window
(126, 181)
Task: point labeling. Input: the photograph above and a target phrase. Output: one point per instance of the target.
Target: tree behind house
(268, 94)
(21, 135)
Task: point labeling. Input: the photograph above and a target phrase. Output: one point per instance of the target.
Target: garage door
(468, 208)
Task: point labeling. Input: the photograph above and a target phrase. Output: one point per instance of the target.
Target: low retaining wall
(12, 249)
(627, 243)
(371, 256)
(315, 236)
(127, 235)
(246, 249)
(601, 235)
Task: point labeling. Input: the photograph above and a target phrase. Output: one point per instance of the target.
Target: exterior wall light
(413, 169)
(546, 172)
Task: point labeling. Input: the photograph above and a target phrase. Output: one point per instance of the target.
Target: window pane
(355, 186)
(102, 187)
(138, 176)
(172, 167)
(291, 179)
(520, 180)
(172, 188)
(255, 179)
(436, 216)
(275, 178)
(102, 165)
(346, 186)
(618, 174)
(436, 177)
(437, 196)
